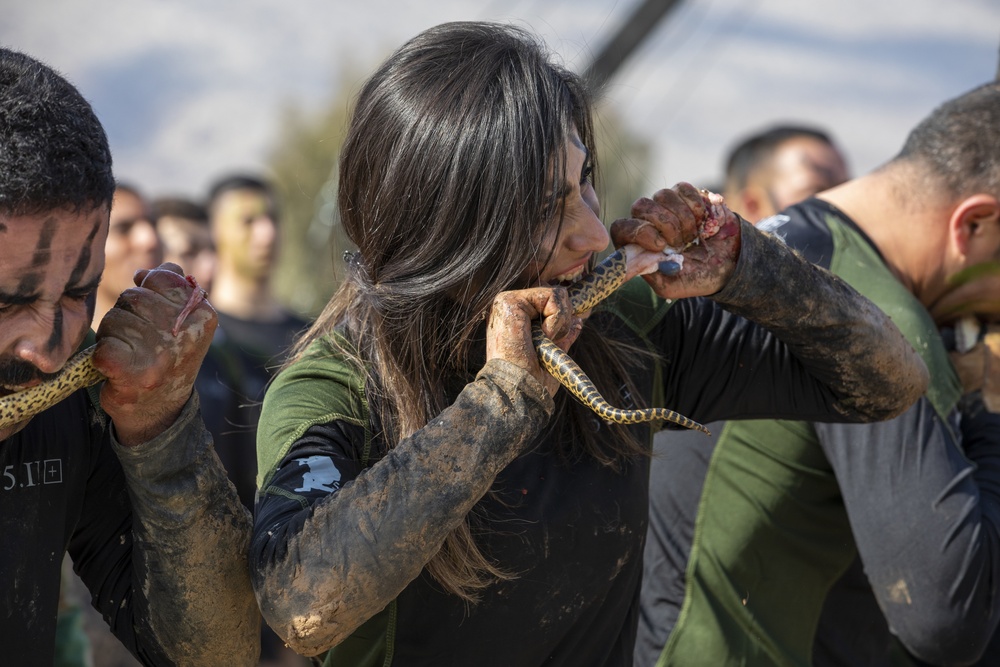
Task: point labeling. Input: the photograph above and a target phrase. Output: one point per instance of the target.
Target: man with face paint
(122, 476)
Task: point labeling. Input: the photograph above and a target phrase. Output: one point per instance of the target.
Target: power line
(625, 41)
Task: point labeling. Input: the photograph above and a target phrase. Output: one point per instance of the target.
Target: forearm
(360, 547)
(191, 538)
(927, 524)
(841, 337)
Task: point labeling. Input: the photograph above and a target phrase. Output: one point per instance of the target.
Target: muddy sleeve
(843, 339)
(190, 535)
(923, 496)
(335, 543)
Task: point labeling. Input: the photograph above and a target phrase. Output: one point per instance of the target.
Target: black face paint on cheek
(56, 338)
(91, 305)
(83, 261)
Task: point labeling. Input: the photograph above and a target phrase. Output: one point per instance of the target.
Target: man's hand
(979, 295)
(979, 367)
(150, 370)
(692, 223)
(508, 335)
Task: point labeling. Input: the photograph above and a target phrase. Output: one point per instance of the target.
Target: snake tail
(561, 366)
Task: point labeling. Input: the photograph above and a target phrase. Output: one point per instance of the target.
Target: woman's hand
(691, 235)
(508, 335)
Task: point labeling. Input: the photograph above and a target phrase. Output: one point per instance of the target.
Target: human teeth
(571, 277)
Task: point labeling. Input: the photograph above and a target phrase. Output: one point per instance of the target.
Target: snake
(599, 284)
(80, 372)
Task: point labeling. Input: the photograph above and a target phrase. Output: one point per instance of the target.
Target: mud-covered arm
(841, 337)
(322, 571)
(190, 539)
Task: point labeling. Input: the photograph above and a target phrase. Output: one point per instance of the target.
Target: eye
(79, 295)
(587, 175)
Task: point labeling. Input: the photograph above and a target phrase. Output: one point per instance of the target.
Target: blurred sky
(188, 90)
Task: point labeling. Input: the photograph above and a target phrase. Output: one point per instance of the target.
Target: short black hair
(960, 142)
(53, 150)
(237, 182)
(180, 207)
(756, 150)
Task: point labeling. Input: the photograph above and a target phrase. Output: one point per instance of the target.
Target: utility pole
(621, 45)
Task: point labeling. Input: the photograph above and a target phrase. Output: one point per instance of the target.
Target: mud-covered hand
(150, 346)
(979, 367)
(508, 335)
(975, 291)
(691, 234)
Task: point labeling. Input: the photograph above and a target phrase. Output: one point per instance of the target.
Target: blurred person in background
(132, 245)
(255, 333)
(245, 221)
(770, 170)
(182, 225)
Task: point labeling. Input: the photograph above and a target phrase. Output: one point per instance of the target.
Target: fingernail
(669, 267)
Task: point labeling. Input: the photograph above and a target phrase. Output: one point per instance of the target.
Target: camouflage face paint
(39, 260)
(83, 261)
(56, 337)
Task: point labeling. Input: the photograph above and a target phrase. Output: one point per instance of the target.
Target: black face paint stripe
(40, 260)
(83, 261)
(55, 340)
(43, 250)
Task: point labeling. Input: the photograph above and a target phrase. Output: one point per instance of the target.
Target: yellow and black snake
(608, 276)
(584, 295)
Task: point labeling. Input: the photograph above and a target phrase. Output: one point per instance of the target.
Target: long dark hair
(446, 176)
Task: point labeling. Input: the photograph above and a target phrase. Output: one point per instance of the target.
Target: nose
(49, 336)
(588, 233)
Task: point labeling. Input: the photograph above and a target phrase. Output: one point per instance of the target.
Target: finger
(141, 274)
(661, 217)
(688, 218)
(694, 199)
(980, 297)
(565, 342)
(556, 310)
(626, 231)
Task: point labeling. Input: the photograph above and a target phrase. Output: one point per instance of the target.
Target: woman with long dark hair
(427, 493)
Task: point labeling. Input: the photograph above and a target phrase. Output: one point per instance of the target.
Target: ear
(975, 220)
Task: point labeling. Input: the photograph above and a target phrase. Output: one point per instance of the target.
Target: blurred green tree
(304, 164)
(624, 164)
